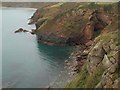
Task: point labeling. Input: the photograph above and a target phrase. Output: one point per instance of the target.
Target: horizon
(59, 0)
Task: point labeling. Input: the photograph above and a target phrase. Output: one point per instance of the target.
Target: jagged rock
(19, 30)
(116, 48)
(94, 60)
(95, 57)
(113, 68)
(112, 46)
(25, 30)
(99, 85)
(112, 60)
(106, 62)
(85, 52)
(116, 55)
(109, 83)
(106, 47)
(89, 43)
(116, 83)
(97, 50)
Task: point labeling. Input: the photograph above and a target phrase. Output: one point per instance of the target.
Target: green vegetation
(95, 78)
(79, 80)
(64, 21)
(84, 80)
(106, 37)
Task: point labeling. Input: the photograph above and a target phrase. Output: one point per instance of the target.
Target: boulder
(94, 60)
(106, 62)
(112, 46)
(19, 30)
(97, 50)
(106, 47)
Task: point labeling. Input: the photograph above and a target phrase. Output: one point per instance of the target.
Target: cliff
(69, 23)
(25, 4)
(93, 28)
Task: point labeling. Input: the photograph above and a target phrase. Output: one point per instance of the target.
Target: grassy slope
(84, 80)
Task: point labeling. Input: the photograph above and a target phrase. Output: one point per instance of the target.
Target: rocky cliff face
(93, 28)
(99, 55)
(96, 67)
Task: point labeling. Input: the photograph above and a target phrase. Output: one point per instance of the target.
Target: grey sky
(59, 0)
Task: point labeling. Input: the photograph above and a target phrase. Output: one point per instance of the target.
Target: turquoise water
(26, 63)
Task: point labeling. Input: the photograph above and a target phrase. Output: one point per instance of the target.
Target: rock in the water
(19, 30)
(25, 31)
(116, 83)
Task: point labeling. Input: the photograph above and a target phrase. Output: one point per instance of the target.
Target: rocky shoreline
(78, 58)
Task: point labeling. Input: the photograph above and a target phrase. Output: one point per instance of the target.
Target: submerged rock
(21, 30)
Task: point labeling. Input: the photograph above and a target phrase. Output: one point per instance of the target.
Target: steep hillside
(101, 65)
(94, 29)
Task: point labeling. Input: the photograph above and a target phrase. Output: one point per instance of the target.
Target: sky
(59, 0)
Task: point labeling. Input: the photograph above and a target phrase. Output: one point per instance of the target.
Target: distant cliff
(25, 4)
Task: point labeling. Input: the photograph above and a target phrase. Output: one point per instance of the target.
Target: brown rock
(97, 50)
(19, 30)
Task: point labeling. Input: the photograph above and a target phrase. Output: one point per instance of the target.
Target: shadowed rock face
(89, 30)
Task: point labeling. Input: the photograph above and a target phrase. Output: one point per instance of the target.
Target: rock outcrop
(71, 26)
(21, 30)
(102, 65)
(97, 21)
